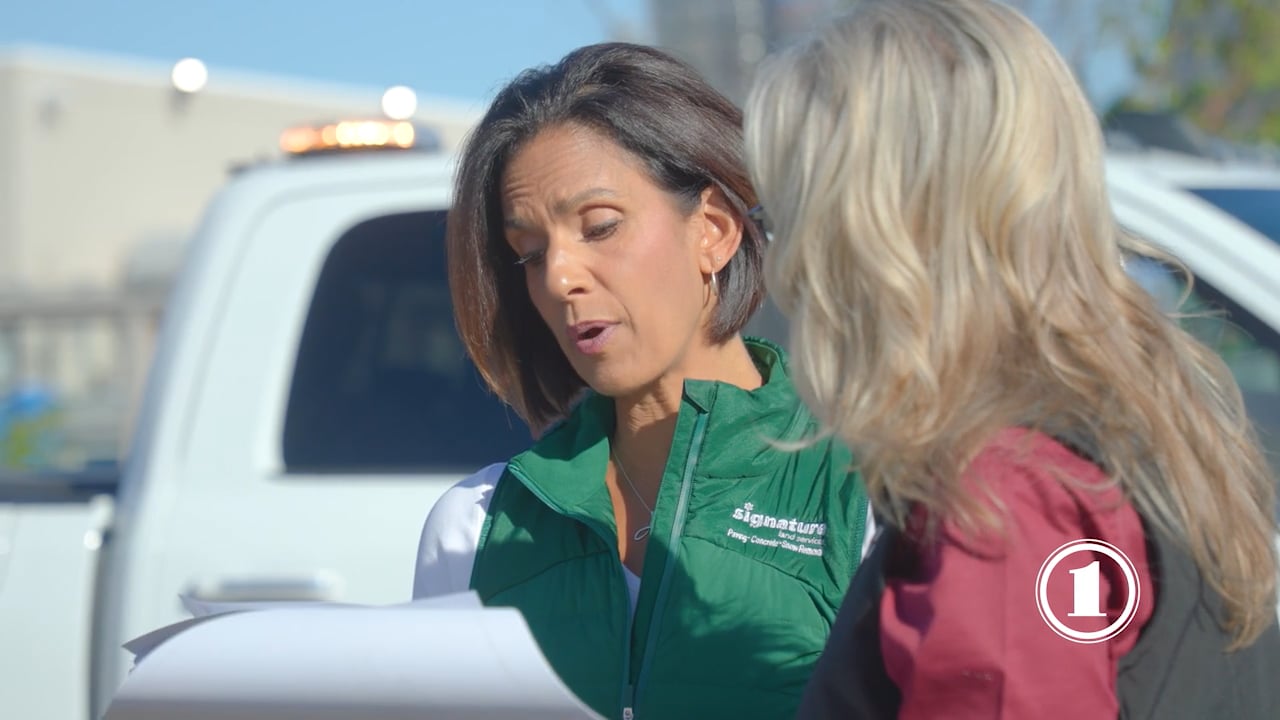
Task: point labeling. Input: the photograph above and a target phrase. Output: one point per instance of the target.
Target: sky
(464, 49)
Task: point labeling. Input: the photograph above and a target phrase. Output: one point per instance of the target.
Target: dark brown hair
(655, 107)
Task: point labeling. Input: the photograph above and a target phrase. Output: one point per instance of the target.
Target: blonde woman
(962, 318)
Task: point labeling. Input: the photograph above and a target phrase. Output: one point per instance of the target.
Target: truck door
(333, 408)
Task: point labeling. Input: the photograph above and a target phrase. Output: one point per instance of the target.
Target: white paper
(439, 658)
(204, 608)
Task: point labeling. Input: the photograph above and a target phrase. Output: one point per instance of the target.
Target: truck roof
(1188, 171)
(377, 165)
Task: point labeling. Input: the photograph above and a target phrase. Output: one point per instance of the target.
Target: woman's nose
(567, 273)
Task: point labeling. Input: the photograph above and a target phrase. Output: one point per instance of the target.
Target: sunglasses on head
(758, 216)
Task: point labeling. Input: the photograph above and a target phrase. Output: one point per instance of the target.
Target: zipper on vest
(668, 568)
(628, 691)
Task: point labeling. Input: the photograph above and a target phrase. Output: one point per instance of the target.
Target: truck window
(381, 382)
(1259, 208)
(1250, 348)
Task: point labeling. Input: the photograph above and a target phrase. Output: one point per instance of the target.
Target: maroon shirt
(961, 633)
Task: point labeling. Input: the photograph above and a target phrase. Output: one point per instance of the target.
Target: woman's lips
(590, 337)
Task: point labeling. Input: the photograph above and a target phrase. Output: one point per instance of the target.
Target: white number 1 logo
(1088, 586)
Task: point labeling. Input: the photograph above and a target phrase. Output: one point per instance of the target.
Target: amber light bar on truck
(349, 135)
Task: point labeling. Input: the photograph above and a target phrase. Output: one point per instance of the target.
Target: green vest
(751, 550)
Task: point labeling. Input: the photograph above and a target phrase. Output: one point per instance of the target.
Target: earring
(715, 285)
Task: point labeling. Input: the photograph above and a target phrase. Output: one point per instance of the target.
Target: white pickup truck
(310, 401)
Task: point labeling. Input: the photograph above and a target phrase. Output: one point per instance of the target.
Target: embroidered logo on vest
(794, 535)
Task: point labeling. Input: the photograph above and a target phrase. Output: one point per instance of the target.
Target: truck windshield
(1259, 208)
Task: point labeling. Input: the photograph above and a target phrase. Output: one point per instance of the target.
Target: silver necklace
(643, 532)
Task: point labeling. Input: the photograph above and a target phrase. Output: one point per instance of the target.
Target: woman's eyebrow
(566, 205)
(563, 207)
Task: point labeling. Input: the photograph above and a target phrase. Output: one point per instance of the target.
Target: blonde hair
(952, 266)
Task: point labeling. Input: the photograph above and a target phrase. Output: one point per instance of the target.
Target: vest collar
(565, 468)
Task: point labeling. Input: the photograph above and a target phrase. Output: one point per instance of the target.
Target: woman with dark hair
(671, 560)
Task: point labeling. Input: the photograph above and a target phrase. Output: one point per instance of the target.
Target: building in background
(105, 168)
(726, 40)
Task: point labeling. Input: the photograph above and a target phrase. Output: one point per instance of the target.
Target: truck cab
(309, 401)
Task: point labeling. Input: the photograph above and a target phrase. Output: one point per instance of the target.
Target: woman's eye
(533, 258)
(600, 231)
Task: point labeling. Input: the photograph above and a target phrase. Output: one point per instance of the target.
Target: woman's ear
(721, 231)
